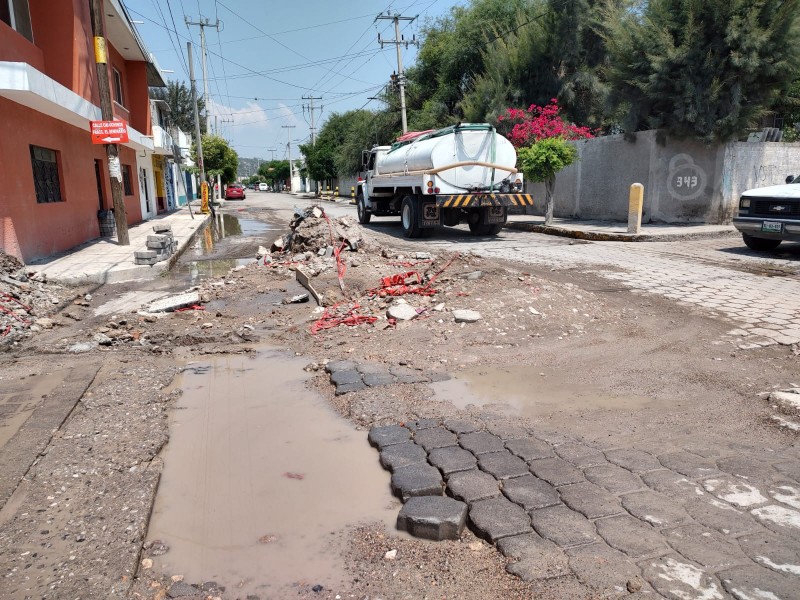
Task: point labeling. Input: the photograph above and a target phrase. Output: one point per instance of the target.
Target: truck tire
(409, 217)
(361, 208)
(485, 229)
(760, 244)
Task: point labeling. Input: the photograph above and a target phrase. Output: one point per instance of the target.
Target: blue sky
(267, 55)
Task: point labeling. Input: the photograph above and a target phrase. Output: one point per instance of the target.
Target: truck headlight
(744, 203)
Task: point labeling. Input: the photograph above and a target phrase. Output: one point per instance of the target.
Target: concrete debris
(296, 299)
(466, 316)
(401, 312)
(261, 252)
(160, 246)
(175, 302)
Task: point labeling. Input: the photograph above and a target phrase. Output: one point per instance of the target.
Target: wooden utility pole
(114, 167)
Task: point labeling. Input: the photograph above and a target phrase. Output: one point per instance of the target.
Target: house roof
(121, 32)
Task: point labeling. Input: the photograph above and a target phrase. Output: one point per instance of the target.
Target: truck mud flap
(484, 200)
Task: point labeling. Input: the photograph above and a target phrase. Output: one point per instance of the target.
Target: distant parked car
(769, 215)
(235, 191)
(263, 187)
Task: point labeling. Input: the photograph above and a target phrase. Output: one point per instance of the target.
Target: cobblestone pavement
(685, 525)
(758, 293)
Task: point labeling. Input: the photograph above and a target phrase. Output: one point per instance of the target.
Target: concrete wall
(685, 181)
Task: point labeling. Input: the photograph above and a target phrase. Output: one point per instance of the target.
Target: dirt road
(634, 369)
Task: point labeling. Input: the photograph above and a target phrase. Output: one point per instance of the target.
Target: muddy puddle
(530, 392)
(261, 478)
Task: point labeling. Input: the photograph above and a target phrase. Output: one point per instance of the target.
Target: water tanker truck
(460, 174)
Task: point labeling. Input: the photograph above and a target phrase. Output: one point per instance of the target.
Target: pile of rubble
(26, 298)
(311, 230)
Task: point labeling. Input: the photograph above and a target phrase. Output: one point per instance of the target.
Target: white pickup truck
(767, 216)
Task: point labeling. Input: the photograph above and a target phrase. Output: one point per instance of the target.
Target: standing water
(261, 478)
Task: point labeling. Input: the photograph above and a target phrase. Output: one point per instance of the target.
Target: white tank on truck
(465, 173)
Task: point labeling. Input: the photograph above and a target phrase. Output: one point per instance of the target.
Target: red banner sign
(109, 132)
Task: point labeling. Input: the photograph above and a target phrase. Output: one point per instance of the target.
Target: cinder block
(146, 261)
(144, 254)
(161, 228)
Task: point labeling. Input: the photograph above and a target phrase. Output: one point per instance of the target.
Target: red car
(235, 191)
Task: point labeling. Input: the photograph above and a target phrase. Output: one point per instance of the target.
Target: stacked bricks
(159, 246)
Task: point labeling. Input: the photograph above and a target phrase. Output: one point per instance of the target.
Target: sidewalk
(102, 260)
(614, 231)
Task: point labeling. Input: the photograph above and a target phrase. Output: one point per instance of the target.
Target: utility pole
(273, 150)
(203, 23)
(311, 110)
(197, 136)
(112, 153)
(288, 129)
(399, 41)
(223, 121)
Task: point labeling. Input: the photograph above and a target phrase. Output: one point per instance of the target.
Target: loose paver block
(481, 442)
(602, 568)
(637, 461)
(460, 426)
(386, 435)
(536, 558)
(676, 486)
(423, 424)
(497, 518)
(615, 479)
(721, 516)
(744, 583)
(676, 578)
(345, 377)
(735, 491)
(780, 519)
(581, 455)
(346, 388)
(689, 464)
(590, 500)
(470, 486)
(530, 492)
(655, 508)
(340, 365)
(503, 465)
(563, 526)
(776, 553)
(507, 431)
(630, 535)
(707, 548)
(378, 379)
(433, 517)
(436, 437)
(530, 448)
(401, 455)
(416, 480)
(556, 471)
(453, 459)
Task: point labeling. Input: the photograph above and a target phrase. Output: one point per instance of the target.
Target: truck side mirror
(365, 158)
(789, 178)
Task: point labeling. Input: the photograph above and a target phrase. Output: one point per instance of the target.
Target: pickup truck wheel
(760, 244)
(409, 217)
(363, 216)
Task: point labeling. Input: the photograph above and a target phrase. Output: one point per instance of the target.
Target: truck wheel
(363, 216)
(478, 228)
(760, 244)
(409, 217)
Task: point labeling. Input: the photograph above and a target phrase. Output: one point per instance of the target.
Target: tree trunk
(549, 186)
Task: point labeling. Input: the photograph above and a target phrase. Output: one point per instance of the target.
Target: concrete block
(388, 435)
(436, 437)
(497, 518)
(344, 377)
(417, 480)
(556, 471)
(503, 465)
(563, 526)
(433, 517)
(452, 460)
(402, 455)
(530, 448)
(161, 228)
(340, 365)
(474, 485)
(145, 254)
(536, 558)
(481, 442)
(175, 302)
(531, 492)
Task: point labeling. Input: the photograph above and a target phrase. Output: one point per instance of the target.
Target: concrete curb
(599, 236)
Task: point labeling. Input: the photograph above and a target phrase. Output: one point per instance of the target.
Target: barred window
(45, 175)
(127, 186)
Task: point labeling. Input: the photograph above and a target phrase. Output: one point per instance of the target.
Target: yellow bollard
(352, 195)
(635, 205)
(204, 198)
(336, 192)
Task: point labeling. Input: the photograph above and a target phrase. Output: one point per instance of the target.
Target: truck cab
(769, 215)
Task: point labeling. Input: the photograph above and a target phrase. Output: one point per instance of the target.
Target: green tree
(703, 68)
(220, 158)
(275, 171)
(541, 162)
(181, 112)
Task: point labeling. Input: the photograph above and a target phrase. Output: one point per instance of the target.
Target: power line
(169, 35)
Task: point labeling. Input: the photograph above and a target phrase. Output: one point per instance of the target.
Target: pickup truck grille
(778, 209)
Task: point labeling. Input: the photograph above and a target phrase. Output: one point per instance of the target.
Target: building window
(45, 175)
(117, 86)
(127, 186)
(16, 14)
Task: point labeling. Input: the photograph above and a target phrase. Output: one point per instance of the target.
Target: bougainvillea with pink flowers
(525, 127)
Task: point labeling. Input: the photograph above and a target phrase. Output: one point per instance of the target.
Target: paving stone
(787, 493)
(613, 478)
(406, 375)
(563, 526)
(460, 426)
(535, 557)
(503, 465)
(707, 548)
(747, 467)
(416, 480)
(470, 486)
(365, 368)
(481, 442)
(453, 459)
(654, 508)
(673, 484)
(530, 492)
(735, 491)
(675, 578)
(780, 519)
(689, 464)
(629, 535)
(420, 424)
(776, 553)
(721, 516)
(602, 568)
(378, 379)
(790, 469)
(507, 431)
(401, 455)
(345, 377)
(497, 518)
(386, 435)
(580, 455)
(530, 448)
(637, 461)
(757, 583)
(590, 500)
(340, 365)
(433, 517)
(347, 388)
(437, 437)
(556, 471)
